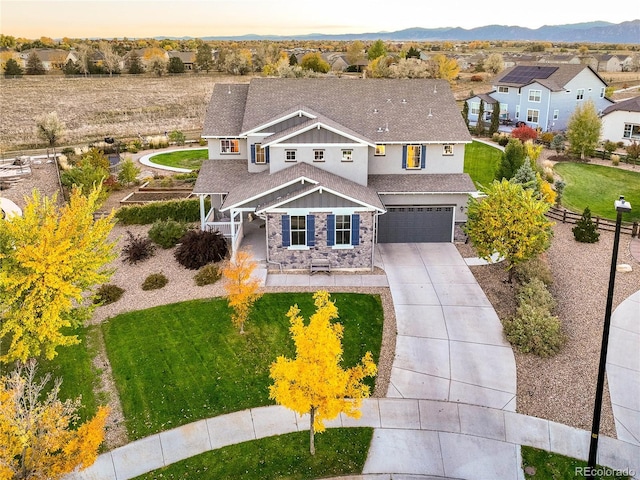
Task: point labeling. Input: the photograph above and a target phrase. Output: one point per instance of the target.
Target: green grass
(598, 187)
(558, 467)
(481, 162)
(191, 159)
(182, 362)
(341, 451)
(73, 365)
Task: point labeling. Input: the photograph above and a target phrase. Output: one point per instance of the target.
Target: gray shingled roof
(629, 105)
(226, 110)
(555, 82)
(433, 183)
(362, 105)
(232, 178)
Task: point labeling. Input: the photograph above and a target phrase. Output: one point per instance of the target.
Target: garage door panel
(415, 224)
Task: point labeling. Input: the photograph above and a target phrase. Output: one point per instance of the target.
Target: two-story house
(621, 122)
(333, 166)
(543, 96)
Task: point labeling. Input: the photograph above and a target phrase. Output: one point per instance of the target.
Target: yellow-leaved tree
(49, 257)
(38, 435)
(314, 381)
(241, 288)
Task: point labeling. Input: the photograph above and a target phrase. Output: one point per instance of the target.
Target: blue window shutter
(253, 153)
(355, 229)
(423, 156)
(286, 230)
(266, 154)
(404, 157)
(311, 230)
(331, 230)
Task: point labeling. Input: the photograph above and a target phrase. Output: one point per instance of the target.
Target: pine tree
(495, 119)
(512, 159)
(480, 123)
(465, 114)
(585, 230)
(135, 64)
(35, 65)
(12, 69)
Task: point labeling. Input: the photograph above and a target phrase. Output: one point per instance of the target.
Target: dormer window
(229, 145)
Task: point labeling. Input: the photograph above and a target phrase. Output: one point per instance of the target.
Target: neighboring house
(544, 96)
(334, 165)
(336, 60)
(567, 59)
(187, 58)
(513, 59)
(488, 101)
(51, 58)
(621, 122)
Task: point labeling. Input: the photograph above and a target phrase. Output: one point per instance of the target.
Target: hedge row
(179, 210)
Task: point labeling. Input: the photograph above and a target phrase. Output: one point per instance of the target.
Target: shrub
(559, 184)
(207, 275)
(534, 329)
(557, 143)
(179, 210)
(534, 268)
(609, 146)
(137, 249)
(476, 78)
(585, 230)
(546, 137)
(177, 137)
(155, 281)
(199, 247)
(128, 173)
(108, 293)
(503, 140)
(615, 159)
(524, 133)
(166, 233)
(633, 151)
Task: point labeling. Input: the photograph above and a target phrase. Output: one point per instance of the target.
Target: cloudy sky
(148, 18)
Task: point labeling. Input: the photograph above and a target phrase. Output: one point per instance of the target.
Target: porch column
(202, 212)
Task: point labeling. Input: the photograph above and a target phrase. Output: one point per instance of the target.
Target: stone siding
(359, 257)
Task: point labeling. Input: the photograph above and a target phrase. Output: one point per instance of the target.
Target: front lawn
(550, 465)
(598, 187)
(178, 363)
(191, 159)
(481, 162)
(340, 451)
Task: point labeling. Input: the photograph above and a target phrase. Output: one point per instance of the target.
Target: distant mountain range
(592, 32)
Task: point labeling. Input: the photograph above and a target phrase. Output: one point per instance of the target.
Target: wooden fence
(566, 216)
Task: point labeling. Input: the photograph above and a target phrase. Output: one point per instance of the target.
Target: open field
(93, 108)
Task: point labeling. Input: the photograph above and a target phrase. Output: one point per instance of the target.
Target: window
(503, 89)
(517, 111)
(413, 156)
(290, 155)
(475, 108)
(343, 230)
(448, 149)
(580, 94)
(229, 145)
(602, 92)
(533, 115)
(298, 230)
(318, 155)
(347, 155)
(631, 131)
(260, 155)
(380, 150)
(535, 95)
(556, 114)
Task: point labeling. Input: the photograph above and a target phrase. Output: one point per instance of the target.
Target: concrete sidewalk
(412, 437)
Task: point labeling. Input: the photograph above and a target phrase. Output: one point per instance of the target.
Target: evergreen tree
(585, 230)
(135, 64)
(512, 159)
(558, 143)
(293, 60)
(70, 68)
(495, 118)
(465, 114)
(526, 176)
(12, 69)
(35, 65)
(413, 53)
(175, 65)
(480, 123)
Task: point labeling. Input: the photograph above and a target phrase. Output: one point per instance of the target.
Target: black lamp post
(621, 207)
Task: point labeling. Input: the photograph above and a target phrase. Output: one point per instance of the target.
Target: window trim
(530, 115)
(630, 127)
(297, 230)
(347, 155)
(413, 147)
(318, 155)
(533, 94)
(503, 89)
(342, 230)
(228, 150)
(474, 108)
(260, 153)
(580, 94)
(556, 114)
(380, 150)
(292, 157)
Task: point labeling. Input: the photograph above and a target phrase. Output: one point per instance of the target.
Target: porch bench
(319, 265)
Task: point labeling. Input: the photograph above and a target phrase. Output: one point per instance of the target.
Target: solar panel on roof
(526, 73)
